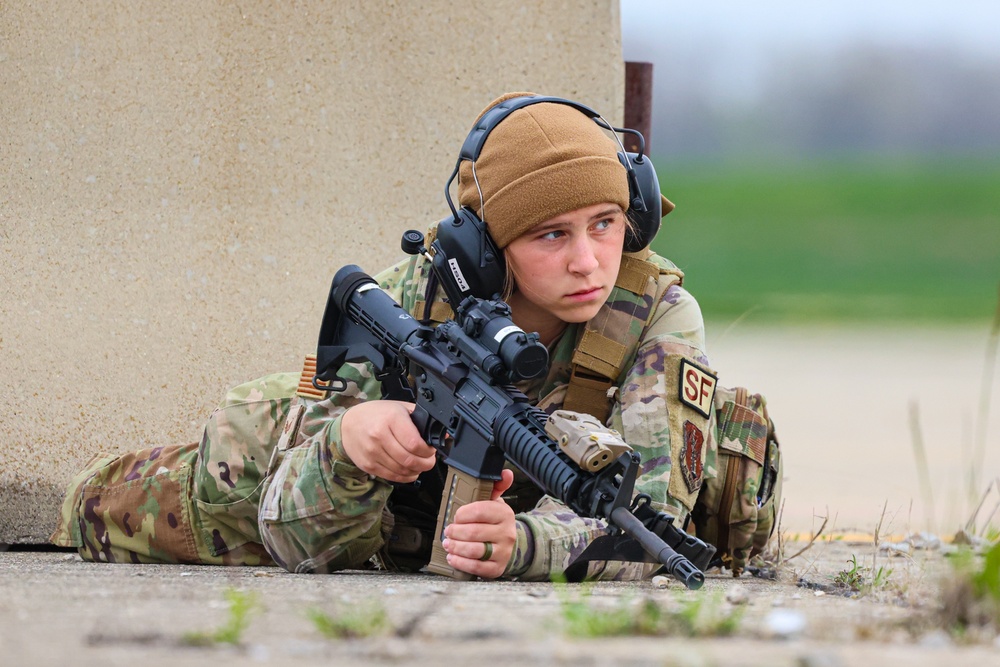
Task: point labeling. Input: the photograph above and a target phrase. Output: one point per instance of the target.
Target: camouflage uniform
(263, 487)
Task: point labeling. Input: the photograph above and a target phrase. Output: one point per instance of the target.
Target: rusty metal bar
(638, 103)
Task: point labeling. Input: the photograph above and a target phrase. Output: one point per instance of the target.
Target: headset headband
(473, 144)
(465, 239)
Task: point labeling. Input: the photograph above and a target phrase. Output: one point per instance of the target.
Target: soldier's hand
(381, 439)
(475, 525)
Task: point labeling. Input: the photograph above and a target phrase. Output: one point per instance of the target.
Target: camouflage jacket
(262, 486)
(318, 512)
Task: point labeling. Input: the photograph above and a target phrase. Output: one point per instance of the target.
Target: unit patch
(691, 462)
(697, 387)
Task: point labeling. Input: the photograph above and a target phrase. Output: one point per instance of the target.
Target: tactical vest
(736, 509)
(609, 341)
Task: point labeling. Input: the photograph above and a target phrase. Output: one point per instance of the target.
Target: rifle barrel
(677, 565)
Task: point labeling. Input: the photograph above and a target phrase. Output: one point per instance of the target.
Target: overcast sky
(736, 40)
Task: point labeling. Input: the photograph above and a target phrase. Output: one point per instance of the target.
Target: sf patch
(691, 462)
(697, 387)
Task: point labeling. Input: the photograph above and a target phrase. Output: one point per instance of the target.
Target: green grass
(970, 597)
(701, 616)
(243, 606)
(859, 240)
(864, 580)
(365, 620)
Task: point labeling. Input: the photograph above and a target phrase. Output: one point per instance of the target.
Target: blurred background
(836, 170)
(855, 145)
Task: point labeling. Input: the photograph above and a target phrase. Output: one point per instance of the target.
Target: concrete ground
(60, 610)
(842, 401)
(851, 405)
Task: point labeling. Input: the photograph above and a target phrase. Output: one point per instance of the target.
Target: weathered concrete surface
(841, 398)
(180, 182)
(59, 610)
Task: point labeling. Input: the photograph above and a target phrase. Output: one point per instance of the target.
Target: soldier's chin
(580, 313)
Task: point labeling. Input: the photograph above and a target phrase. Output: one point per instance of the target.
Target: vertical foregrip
(459, 489)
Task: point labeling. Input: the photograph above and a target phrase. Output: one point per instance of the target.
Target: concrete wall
(179, 181)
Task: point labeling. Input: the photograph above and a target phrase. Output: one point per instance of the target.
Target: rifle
(468, 409)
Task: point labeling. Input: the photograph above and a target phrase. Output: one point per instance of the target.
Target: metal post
(638, 103)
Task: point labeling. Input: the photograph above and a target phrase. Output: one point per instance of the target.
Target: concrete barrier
(181, 180)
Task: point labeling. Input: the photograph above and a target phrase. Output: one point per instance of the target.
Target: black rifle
(468, 409)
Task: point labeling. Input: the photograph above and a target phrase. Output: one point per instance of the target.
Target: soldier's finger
(470, 550)
(411, 448)
(484, 569)
(492, 512)
(506, 480)
(394, 473)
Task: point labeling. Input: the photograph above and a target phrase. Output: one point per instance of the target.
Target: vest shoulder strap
(611, 338)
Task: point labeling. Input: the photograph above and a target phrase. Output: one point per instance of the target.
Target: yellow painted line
(865, 538)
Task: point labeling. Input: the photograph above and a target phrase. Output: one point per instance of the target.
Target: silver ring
(489, 551)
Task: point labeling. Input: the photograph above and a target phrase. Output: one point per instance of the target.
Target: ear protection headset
(463, 242)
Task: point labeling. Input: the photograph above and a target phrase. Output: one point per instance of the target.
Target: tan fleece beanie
(541, 161)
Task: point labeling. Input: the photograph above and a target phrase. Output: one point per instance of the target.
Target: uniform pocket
(226, 526)
(736, 508)
(138, 509)
(232, 463)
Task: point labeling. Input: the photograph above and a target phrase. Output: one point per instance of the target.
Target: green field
(837, 241)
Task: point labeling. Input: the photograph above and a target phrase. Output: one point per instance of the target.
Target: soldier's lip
(584, 294)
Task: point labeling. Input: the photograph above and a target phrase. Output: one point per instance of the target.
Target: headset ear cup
(647, 208)
(465, 249)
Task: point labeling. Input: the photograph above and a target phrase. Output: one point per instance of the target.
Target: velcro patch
(289, 433)
(306, 388)
(691, 462)
(697, 387)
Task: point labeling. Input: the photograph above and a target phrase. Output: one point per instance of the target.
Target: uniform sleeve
(649, 414)
(319, 512)
(551, 535)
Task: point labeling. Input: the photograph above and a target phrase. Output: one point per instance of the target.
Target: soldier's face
(566, 267)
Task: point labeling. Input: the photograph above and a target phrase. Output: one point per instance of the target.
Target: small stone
(304, 648)
(965, 539)
(895, 548)
(962, 537)
(259, 653)
(778, 602)
(389, 591)
(263, 573)
(737, 595)
(660, 581)
(392, 649)
(924, 540)
(819, 594)
(819, 659)
(936, 639)
(784, 623)
(186, 574)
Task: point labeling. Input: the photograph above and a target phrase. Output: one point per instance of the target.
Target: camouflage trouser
(140, 508)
